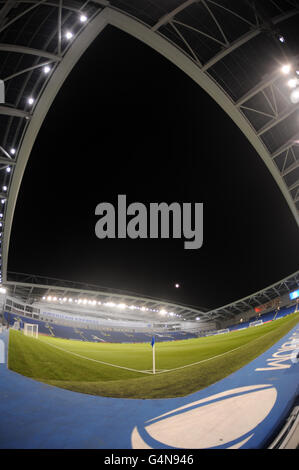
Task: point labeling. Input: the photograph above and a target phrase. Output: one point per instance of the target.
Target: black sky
(128, 122)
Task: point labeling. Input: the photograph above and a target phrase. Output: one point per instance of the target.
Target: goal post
(31, 329)
(256, 323)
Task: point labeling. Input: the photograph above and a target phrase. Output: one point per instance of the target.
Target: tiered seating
(83, 334)
(269, 316)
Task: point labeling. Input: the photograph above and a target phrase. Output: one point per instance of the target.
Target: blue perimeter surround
(34, 415)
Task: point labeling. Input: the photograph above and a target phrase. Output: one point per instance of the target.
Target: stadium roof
(244, 54)
(32, 289)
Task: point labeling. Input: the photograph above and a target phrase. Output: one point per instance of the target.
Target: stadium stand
(266, 317)
(114, 336)
(82, 334)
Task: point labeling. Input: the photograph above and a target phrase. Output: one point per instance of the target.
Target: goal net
(16, 325)
(31, 330)
(256, 323)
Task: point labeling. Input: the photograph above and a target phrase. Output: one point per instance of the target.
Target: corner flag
(154, 362)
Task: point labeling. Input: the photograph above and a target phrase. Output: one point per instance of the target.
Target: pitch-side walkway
(240, 411)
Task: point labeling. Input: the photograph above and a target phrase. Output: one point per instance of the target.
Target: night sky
(128, 122)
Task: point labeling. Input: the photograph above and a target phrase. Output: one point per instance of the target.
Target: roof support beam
(169, 16)
(13, 112)
(285, 146)
(28, 50)
(286, 113)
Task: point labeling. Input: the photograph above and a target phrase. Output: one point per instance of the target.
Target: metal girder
(280, 117)
(14, 112)
(169, 16)
(286, 146)
(290, 168)
(165, 47)
(6, 9)
(28, 50)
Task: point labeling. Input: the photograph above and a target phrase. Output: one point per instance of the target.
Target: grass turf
(59, 362)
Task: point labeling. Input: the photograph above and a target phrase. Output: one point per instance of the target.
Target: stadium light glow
(286, 69)
(8, 169)
(122, 306)
(292, 83)
(4, 188)
(281, 39)
(30, 100)
(68, 35)
(2, 290)
(294, 96)
(83, 18)
(12, 151)
(46, 69)
(163, 312)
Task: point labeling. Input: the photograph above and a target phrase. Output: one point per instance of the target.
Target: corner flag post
(154, 362)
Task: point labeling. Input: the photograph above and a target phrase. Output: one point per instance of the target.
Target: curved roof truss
(214, 42)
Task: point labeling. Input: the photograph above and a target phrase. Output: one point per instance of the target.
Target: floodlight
(46, 69)
(292, 83)
(281, 39)
(68, 35)
(4, 188)
(2, 290)
(286, 69)
(30, 100)
(83, 18)
(294, 96)
(3, 201)
(121, 306)
(163, 312)
(8, 169)
(12, 151)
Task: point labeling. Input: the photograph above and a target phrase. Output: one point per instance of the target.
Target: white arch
(165, 48)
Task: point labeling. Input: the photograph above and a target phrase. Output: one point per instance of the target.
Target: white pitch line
(95, 360)
(214, 357)
(159, 371)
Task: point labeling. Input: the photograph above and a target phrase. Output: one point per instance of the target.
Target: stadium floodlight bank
(256, 323)
(31, 329)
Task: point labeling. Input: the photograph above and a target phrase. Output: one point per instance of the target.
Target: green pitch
(125, 370)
